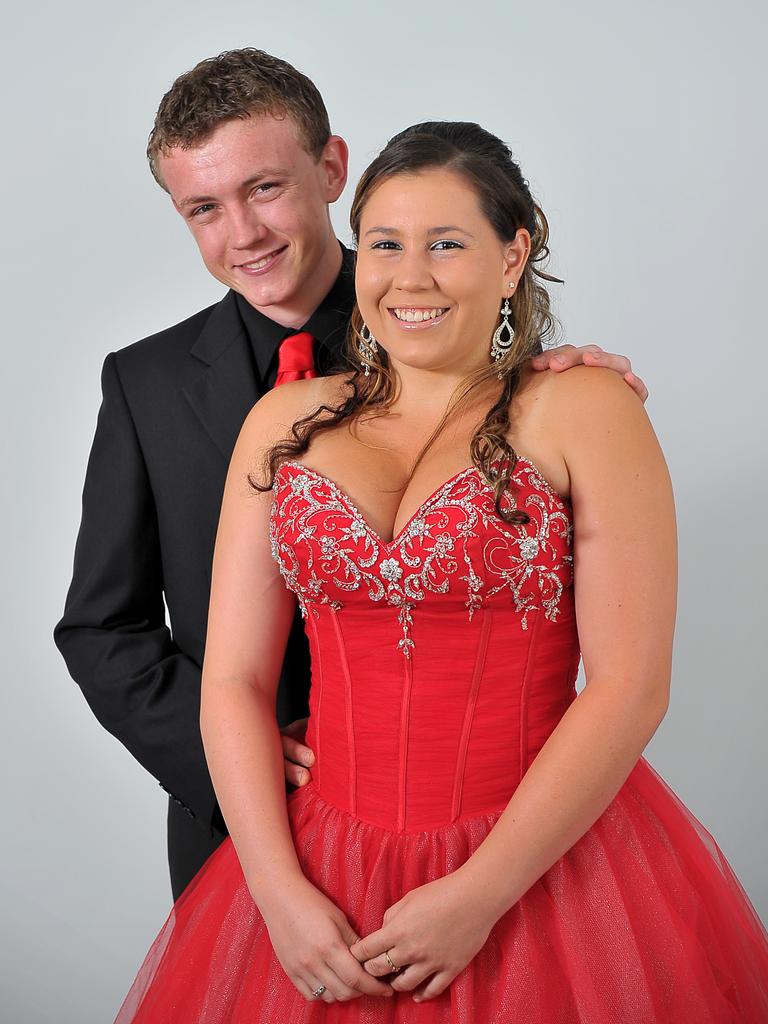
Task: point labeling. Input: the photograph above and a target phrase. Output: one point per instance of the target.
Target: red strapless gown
(441, 662)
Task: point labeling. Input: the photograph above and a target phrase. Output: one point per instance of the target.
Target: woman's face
(431, 271)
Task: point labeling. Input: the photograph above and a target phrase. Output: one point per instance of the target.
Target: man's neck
(295, 314)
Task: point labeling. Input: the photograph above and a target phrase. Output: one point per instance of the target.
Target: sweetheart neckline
(454, 478)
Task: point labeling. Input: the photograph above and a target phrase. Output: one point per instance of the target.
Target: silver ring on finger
(319, 990)
(389, 961)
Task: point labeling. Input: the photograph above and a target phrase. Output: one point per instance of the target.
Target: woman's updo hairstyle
(488, 167)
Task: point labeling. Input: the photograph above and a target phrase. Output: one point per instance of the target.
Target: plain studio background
(638, 128)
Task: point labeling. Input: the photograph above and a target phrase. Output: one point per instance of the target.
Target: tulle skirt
(642, 921)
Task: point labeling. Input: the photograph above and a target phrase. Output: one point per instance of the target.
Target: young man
(242, 144)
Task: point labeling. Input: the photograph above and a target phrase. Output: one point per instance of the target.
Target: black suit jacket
(172, 408)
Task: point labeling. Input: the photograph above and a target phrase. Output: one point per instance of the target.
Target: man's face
(257, 203)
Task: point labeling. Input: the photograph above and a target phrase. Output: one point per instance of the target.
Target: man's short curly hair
(236, 83)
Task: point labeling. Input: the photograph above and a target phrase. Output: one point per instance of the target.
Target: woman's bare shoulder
(271, 418)
(602, 430)
(577, 384)
(588, 397)
(571, 421)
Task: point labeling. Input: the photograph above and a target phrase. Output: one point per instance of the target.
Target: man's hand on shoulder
(565, 356)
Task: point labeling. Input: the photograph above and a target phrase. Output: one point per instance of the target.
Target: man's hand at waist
(298, 757)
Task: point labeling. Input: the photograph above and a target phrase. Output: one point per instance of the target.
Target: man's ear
(335, 161)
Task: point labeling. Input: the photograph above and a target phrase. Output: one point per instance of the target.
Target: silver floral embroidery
(529, 548)
(323, 545)
(417, 528)
(390, 569)
(299, 483)
(328, 546)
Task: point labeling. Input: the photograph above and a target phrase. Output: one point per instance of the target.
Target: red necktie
(294, 358)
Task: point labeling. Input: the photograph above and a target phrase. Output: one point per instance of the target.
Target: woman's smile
(415, 318)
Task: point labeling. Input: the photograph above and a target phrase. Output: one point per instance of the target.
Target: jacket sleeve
(113, 634)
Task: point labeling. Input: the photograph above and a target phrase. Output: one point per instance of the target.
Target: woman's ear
(516, 255)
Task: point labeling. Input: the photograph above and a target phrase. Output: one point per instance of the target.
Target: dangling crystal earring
(367, 348)
(504, 335)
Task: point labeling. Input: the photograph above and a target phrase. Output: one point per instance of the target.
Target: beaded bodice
(455, 541)
(410, 621)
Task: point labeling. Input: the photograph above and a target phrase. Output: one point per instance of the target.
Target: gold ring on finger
(389, 961)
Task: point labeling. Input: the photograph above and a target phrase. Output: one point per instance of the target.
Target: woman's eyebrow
(449, 227)
(380, 230)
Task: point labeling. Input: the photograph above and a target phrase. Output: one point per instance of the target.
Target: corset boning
(415, 743)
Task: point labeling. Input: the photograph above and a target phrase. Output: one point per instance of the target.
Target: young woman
(478, 842)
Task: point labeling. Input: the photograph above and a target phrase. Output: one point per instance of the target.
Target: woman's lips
(418, 325)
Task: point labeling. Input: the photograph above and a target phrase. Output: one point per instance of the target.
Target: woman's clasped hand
(425, 940)
(430, 934)
(311, 938)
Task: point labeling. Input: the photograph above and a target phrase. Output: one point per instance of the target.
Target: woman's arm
(625, 565)
(625, 584)
(249, 619)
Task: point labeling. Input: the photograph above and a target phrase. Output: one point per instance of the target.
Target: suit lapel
(223, 387)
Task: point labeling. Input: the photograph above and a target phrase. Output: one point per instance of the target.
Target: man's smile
(262, 263)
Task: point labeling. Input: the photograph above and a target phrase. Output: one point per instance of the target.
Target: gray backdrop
(639, 129)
